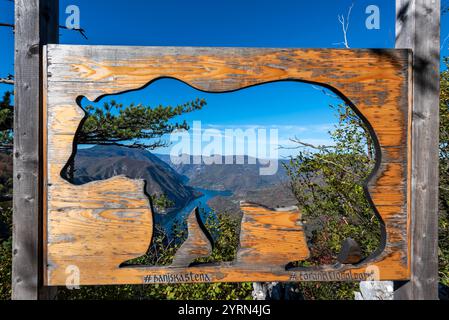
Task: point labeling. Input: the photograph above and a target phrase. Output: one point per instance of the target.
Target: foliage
(6, 183)
(444, 178)
(326, 177)
(136, 126)
(6, 112)
(225, 230)
(144, 126)
(5, 268)
(5, 251)
(6, 136)
(161, 202)
(327, 182)
(328, 290)
(5, 220)
(328, 185)
(6, 122)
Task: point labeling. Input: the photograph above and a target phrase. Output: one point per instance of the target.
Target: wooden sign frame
(98, 226)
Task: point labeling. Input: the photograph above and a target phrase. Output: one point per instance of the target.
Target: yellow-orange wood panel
(100, 225)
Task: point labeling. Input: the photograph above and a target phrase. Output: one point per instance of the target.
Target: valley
(220, 187)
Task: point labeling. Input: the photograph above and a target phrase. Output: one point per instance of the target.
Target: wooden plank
(418, 28)
(198, 244)
(374, 82)
(270, 238)
(36, 23)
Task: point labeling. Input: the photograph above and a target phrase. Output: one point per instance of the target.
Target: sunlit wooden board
(98, 226)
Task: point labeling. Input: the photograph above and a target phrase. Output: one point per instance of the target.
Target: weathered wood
(374, 82)
(36, 23)
(418, 28)
(350, 252)
(198, 244)
(270, 238)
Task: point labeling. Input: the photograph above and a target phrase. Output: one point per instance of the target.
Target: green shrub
(444, 179)
(5, 252)
(327, 182)
(328, 185)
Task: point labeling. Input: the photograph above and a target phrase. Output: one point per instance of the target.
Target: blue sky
(244, 23)
(293, 109)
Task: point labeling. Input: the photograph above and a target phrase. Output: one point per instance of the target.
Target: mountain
(244, 181)
(179, 182)
(103, 162)
(230, 177)
(276, 196)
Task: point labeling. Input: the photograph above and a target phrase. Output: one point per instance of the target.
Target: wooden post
(36, 24)
(418, 28)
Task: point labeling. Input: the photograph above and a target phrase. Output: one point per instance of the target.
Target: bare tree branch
(8, 80)
(5, 197)
(303, 144)
(323, 157)
(443, 43)
(80, 30)
(345, 27)
(445, 7)
(325, 92)
(9, 25)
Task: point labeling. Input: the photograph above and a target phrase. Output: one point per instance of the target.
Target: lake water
(167, 220)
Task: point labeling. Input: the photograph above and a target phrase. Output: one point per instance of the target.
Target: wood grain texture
(374, 82)
(270, 238)
(197, 245)
(418, 28)
(36, 23)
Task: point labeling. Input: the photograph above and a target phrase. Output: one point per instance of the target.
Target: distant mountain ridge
(229, 177)
(180, 181)
(104, 162)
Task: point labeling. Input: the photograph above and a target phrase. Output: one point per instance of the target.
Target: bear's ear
(199, 243)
